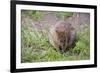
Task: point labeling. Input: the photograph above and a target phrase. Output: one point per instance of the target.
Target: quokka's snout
(61, 36)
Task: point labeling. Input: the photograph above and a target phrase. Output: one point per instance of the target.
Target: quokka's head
(60, 31)
(61, 35)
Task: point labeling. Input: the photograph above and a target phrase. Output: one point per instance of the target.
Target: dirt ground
(78, 21)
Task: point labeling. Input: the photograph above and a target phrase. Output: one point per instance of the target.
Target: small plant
(36, 15)
(63, 15)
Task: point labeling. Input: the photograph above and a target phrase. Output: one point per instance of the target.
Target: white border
(20, 65)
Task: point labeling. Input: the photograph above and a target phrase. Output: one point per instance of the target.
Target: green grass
(35, 47)
(36, 15)
(63, 15)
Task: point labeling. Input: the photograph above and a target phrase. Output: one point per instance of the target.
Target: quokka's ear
(57, 31)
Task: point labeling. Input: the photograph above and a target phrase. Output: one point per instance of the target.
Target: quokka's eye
(56, 31)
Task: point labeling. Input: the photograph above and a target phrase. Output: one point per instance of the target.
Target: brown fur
(61, 36)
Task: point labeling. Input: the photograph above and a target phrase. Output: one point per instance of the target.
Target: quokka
(62, 36)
